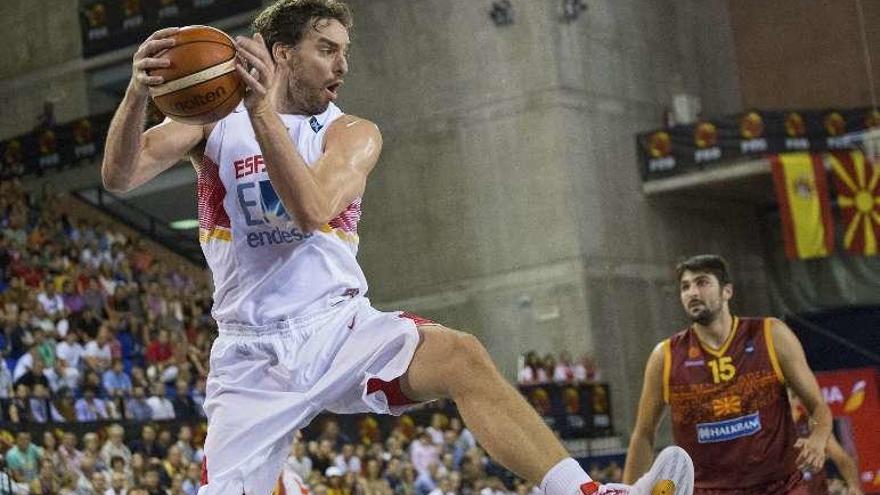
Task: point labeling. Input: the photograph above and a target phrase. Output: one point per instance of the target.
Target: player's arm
(845, 464)
(132, 156)
(314, 195)
(640, 455)
(798, 375)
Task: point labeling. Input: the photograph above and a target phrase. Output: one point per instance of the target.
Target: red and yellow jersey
(730, 409)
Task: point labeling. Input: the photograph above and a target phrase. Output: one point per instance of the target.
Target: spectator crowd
(439, 457)
(536, 369)
(94, 327)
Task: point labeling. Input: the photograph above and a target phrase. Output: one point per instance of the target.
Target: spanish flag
(802, 194)
(857, 182)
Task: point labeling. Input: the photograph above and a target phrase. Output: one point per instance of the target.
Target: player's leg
(455, 365)
(252, 415)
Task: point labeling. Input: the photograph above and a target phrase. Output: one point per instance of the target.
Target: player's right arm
(132, 156)
(640, 455)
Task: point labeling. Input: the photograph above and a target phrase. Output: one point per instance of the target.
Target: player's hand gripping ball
(200, 84)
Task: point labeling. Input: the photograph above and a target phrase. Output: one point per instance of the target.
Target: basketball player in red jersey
(724, 379)
(273, 369)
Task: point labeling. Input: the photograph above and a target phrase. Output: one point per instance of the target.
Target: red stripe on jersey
(589, 488)
(418, 320)
(347, 221)
(211, 194)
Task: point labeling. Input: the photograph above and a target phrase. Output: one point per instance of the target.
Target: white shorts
(265, 383)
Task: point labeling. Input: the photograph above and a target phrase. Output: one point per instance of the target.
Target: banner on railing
(111, 24)
(574, 410)
(753, 134)
(55, 147)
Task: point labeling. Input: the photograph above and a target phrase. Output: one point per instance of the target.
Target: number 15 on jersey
(722, 369)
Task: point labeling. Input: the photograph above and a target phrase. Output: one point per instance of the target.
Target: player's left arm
(313, 195)
(798, 375)
(846, 465)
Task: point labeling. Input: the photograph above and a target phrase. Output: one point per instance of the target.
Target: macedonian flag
(857, 182)
(727, 405)
(804, 208)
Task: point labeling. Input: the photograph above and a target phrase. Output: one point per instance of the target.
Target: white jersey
(265, 268)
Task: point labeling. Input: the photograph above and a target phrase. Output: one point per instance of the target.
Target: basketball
(201, 85)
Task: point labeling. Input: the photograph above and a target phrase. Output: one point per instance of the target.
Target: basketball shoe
(671, 474)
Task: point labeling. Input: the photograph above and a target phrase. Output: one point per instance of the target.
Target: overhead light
(185, 224)
(502, 13)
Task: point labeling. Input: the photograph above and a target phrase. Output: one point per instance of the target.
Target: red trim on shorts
(391, 390)
(418, 320)
(589, 488)
(204, 471)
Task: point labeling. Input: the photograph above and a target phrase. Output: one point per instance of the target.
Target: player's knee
(469, 357)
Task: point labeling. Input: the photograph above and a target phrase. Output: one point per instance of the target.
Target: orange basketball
(201, 85)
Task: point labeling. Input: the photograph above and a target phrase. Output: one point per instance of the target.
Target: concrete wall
(38, 36)
(507, 201)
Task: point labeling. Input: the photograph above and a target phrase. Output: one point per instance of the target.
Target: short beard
(299, 102)
(704, 317)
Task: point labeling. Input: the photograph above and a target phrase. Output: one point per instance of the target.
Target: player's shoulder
(659, 350)
(679, 336)
(780, 333)
(348, 123)
(352, 129)
(769, 324)
(758, 320)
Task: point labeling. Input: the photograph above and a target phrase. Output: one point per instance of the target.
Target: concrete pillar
(507, 200)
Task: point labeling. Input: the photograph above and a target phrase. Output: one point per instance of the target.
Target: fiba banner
(55, 147)
(852, 396)
(753, 134)
(112, 24)
(575, 410)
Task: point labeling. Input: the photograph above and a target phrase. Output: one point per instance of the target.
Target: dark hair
(288, 21)
(705, 263)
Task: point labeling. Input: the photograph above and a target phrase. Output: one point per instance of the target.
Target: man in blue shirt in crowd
(116, 381)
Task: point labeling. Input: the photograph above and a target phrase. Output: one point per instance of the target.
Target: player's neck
(716, 333)
(290, 108)
(286, 105)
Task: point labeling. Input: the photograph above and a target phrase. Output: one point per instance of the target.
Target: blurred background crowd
(94, 326)
(552, 369)
(98, 330)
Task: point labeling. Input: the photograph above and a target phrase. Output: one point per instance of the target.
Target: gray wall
(39, 37)
(507, 201)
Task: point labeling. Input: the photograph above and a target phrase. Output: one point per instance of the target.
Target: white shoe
(671, 474)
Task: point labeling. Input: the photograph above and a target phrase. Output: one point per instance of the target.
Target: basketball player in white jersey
(280, 182)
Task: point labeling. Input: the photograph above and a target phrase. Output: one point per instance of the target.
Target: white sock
(565, 478)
